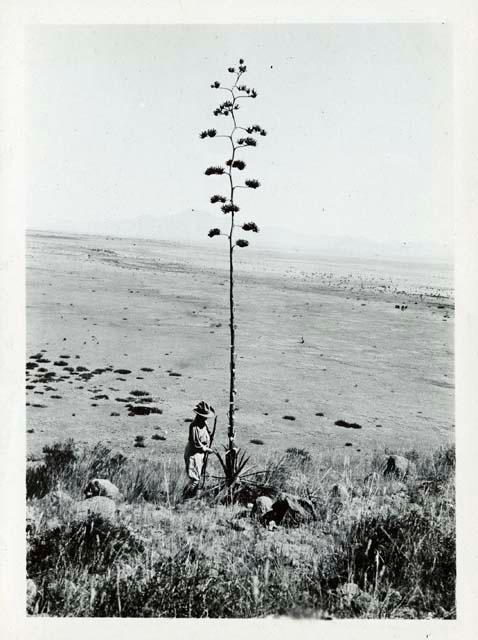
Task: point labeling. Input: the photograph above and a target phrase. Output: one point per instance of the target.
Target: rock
(102, 487)
(290, 509)
(397, 466)
(349, 589)
(262, 505)
(99, 506)
(32, 593)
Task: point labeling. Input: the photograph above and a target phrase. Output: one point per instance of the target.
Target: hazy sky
(358, 119)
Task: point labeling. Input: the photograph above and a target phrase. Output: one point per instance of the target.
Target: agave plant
(234, 462)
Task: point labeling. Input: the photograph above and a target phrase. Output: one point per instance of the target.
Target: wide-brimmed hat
(203, 409)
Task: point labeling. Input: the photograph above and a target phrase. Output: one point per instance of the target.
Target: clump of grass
(58, 555)
(58, 461)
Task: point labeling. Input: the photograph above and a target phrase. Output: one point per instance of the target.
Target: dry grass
(382, 547)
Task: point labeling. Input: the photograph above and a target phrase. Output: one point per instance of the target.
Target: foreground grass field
(380, 547)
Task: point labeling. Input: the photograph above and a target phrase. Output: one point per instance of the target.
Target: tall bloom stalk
(239, 137)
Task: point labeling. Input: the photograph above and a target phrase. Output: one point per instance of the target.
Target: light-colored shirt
(199, 437)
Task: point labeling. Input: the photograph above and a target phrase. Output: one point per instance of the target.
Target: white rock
(97, 506)
(32, 592)
(262, 505)
(102, 487)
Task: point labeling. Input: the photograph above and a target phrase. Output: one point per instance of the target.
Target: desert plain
(115, 323)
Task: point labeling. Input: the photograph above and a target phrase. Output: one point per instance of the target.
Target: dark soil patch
(288, 417)
(64, 356)
(30, 386)
(141, 410)
(80, 368)
(123, 372)
(156, 436)
(347, 425)
(31, 365)
(146, 369)
(348, 444)
(114, 414)
(256, 441)
(39, 406)
(30, 430)
(320, 414)
(175, 375)
(101, 396)
(138, 393)
(69, 369)
(56, 397)
(121, 399)
(142, 399)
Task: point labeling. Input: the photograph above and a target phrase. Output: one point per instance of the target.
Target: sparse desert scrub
(381, 547)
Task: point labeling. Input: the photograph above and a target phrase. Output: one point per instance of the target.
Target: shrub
(60, 456)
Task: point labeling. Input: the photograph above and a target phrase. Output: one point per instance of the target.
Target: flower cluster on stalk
(252, 184)
(225, 109)
(214, 171)
(209, 133)
(216, 198)
(247, 142)
(255, 128)
(237, 164)
(229, 208)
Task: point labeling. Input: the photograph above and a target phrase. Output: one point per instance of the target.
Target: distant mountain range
(191, 227)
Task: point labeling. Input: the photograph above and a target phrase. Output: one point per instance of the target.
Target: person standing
(199, 443)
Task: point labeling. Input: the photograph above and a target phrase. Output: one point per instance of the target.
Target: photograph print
(240, 321)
